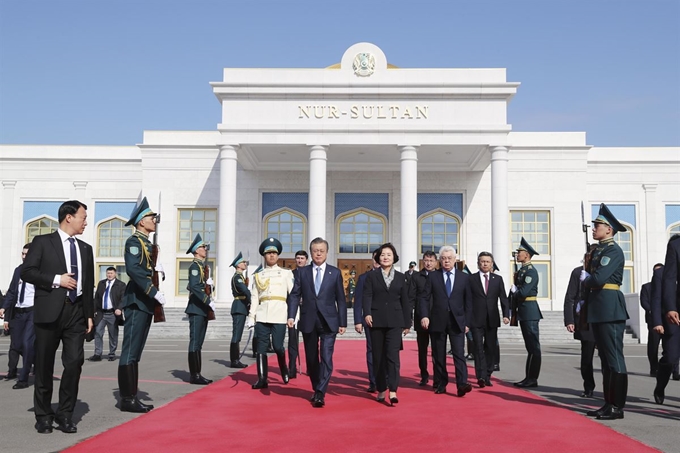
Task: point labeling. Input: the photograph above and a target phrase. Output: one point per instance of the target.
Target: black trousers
(386, 342)
(457, 337)
(22, 342)
(69, 329)
(369, 354)
(653, 340)
(293, 345)
(587, 353)
(485, 340)
(423, 341)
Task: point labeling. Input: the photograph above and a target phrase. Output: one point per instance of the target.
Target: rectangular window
(628, 281)
(183, 274)
(196, 221)
(534, 226)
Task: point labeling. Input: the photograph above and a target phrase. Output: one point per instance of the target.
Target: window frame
(446, 213)
(542, 258)
(352, 213)
(28, 239)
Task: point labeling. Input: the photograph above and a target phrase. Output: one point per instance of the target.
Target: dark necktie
(73, 294)
(449, 287)
(486, 283)
(317, 280)
(106, 295)
(22, 292)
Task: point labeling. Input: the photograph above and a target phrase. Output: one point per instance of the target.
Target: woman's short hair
(387, 245)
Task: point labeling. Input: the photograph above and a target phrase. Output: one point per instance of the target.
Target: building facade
(359, 153)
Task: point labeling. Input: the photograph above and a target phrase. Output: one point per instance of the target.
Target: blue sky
(103, 71)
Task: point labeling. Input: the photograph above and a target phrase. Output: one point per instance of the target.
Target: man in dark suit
(670, 306)
(360, 323)
(108, 300)
(62, 270)
(419, 279)
(301, 258)
(573, 304)
(322, 316)
(18, 312)
(653, 337)
(446, 306)
(487, 289)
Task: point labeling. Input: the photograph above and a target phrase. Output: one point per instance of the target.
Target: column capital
(80, 185)
(9, 184)
(318, 152)
(228, 151)
(650, 187)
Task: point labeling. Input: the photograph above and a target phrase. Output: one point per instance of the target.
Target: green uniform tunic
(197, 307)
(528, 312)
(240, 305)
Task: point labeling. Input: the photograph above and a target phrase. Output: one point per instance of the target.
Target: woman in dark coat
(388, 299)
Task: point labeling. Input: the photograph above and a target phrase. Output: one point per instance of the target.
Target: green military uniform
(607, 314)
(529, 315)
(197, 309)
(351, 287)
(138, 309)
(239, 311)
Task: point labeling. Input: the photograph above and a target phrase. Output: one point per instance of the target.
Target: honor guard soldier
(606, 312)
(239, 309)
(197, 308)
(351, 288)
(525, 291)
(138, 306)
(269, 310)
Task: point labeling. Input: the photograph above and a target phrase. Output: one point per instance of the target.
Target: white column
(226, 224)
(317, 191)
(499, 210)
(651, 225)
(409, 206)
(11, 239)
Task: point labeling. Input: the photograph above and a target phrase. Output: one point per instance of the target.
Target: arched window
(43, 225)
(111, 236)
(625, 241)
(438, 228)
(673, 230)
(288, 227)
(360, 232)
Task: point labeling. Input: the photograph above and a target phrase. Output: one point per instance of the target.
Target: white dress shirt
(481, 278)
(66, 244)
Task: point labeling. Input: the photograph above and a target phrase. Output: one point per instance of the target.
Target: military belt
(239, 297)
(268, 298)
(611, 286)
(530, 298)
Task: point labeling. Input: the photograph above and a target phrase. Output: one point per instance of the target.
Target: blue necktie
(449, 288)
(106, 295)
(73, 294)
(317, 281)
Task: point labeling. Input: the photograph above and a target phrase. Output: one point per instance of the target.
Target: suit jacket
(459, 303)
(389, 307)
(658, 314)
(418, 280)
(330, 302)
(670, 296)
(359, 299)
(485, 305)
(12, 295)
(646, 301)
(573, 295)
(116, 294)
(44, 260)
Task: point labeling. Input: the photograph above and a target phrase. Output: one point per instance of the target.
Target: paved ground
(163, 374)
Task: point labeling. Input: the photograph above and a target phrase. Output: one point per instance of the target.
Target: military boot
(261, 372)
(195, 370)
(127, 389)
(234, 356)
(281, 356)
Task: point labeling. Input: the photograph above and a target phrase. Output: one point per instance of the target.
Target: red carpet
(230, 415)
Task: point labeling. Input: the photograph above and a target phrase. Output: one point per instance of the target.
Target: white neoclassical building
(359, 153)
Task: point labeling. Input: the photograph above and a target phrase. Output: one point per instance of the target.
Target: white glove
(250, 323)
(513, 289)
(584, 275)
(159, 268)
(160, 298)
(209, 281)
(212, 305)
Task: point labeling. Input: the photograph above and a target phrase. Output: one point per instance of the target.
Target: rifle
(158, 313)
(583, 312)
(513, 296)
(208, 288)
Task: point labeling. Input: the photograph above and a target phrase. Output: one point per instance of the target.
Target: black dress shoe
(319, 400)
(95, 358)
(520, 383)
(659, 395)
(488, 382)
(20, 385)
(43, 426)
(587, 394)
(423, 382)
(237, 364)
(614, 413)
(600, 411)
(10, 375)
(112, 358)
(440, 389)
(260, 384)
(463, 389)
(529, 383)
(481, 383)
(197, 379)
(132, 404)
(66, 425)
(371, 388)
(497, 367)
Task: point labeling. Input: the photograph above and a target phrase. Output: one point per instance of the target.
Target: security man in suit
(670, 307)
(360, 322)
(138, 308)
(419, 280)
(653, 337)
(607, 313)
(269, 310)
(239, 309)
(198, 307)
(573, 308)
(301, 258)
(529, 314)
(108, 301)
